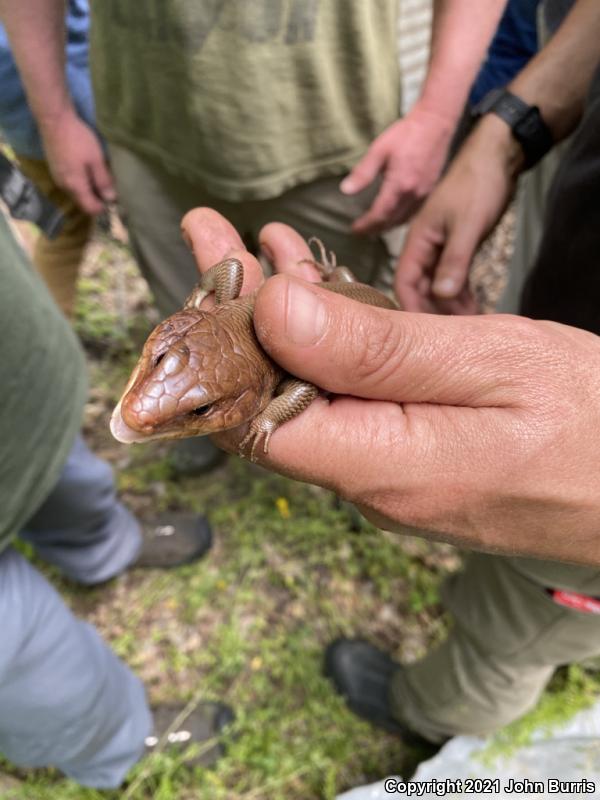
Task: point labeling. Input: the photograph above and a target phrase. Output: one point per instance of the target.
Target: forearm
(36, 29)
(462, 31)
(558, 78)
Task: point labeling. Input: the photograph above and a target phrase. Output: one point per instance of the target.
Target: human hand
(479, 431)
(433, 269)
(77, 161)
(409, 155)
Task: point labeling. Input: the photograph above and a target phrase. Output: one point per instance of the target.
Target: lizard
(202, 370)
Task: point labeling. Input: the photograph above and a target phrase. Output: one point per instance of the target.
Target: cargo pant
(58, 260)
(154, 201)
(65, 698)
(512, 624)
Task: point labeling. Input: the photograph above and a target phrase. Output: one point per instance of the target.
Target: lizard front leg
(293, 396)
(327, 267)
(224, 279)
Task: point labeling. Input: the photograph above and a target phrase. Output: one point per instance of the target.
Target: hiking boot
(362, 674)
(202, 727)
(173, 539)
(189, 457)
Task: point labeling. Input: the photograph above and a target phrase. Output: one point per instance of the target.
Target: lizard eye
(201, 410)
(159, 359)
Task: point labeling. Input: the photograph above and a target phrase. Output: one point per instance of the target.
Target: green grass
(285, 579)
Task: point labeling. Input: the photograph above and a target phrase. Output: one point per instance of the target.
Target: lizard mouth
(124, 433)
(121, 430)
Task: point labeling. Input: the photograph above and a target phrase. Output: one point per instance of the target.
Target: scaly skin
(204, 371)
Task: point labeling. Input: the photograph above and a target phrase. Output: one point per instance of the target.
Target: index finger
(417, 261)
(82, 190)
(213, 238)
(288, 251)
(390, 207)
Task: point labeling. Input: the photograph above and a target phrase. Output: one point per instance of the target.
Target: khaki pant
(154, 201)
(508, 637)
(57, 260)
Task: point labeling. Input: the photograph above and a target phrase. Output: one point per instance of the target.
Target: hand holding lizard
(479, 431)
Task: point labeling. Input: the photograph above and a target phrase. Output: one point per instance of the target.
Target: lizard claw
(253, 439)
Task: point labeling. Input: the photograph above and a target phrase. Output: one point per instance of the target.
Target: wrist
(49, 120)
(525, 122)
(445, 124)
(494, 136)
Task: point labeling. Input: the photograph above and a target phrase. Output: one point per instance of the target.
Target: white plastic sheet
(563, 763)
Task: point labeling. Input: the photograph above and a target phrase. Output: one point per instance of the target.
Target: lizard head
(189, 381)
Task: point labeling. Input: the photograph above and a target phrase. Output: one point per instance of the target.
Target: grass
(249, 626)
(290, 571)
(572, 689)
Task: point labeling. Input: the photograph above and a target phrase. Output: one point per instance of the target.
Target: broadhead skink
(203, 370)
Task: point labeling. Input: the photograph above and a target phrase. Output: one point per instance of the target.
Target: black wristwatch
(525, 122)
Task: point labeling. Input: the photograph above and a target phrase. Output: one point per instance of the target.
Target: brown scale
(203, 370)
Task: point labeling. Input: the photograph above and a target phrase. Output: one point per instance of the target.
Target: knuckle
(379, 346)
(525, 331)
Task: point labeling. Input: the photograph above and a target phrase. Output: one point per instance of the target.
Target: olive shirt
(248, 98)
(42, 388)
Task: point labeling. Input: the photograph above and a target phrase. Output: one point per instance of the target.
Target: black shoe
(189, 457)
(362, 675)
(173, 539)
(202, 727)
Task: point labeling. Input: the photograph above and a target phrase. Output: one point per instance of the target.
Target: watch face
(529, 124)
(512, 112)
(525, 122)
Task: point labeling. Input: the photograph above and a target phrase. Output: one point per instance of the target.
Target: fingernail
(109, 196)
(347, 186)
(187, 239)
(306, 315)
(445, 287)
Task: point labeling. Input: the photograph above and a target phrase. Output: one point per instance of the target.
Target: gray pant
(65, 699)
(153, 202)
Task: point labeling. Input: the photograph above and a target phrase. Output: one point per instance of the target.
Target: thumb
(351, 348)
(453, 267)
(365, 172)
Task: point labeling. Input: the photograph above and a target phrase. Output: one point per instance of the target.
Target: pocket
(501, 610)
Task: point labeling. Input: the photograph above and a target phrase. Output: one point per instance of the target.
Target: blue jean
(65, 698)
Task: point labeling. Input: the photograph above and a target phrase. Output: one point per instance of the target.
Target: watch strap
(525, 122)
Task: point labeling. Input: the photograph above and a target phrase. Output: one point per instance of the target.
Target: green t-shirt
(248, 97)
(42, 388)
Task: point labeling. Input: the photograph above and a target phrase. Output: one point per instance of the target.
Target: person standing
(65, 699)
(58, 259)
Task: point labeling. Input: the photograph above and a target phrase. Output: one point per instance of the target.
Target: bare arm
(558, 78)
(433, 268)
(410, 154)
(461, 34)
(36, 29)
